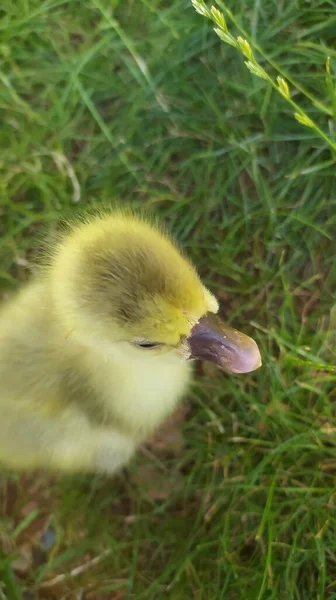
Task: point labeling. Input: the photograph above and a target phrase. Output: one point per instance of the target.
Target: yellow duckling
(95, 352)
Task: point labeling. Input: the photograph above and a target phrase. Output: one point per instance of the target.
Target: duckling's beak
(212, 340)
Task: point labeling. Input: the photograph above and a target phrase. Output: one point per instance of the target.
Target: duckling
(96, 351)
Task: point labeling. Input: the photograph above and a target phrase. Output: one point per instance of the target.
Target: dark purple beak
(212, 340)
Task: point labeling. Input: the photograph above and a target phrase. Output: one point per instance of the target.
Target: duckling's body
(55, 393)
(92, 352)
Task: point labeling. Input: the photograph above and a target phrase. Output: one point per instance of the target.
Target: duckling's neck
(137, 395)
(134, 393)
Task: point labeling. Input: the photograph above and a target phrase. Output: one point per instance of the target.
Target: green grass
(140, 101)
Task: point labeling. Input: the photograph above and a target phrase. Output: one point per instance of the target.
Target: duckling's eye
(147, 345)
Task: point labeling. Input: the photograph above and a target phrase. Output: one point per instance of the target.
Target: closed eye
(147, 345)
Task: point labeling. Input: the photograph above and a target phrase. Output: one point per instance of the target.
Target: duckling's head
(121, 284)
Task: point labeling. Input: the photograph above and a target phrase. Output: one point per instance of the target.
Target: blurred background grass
(140, 101)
